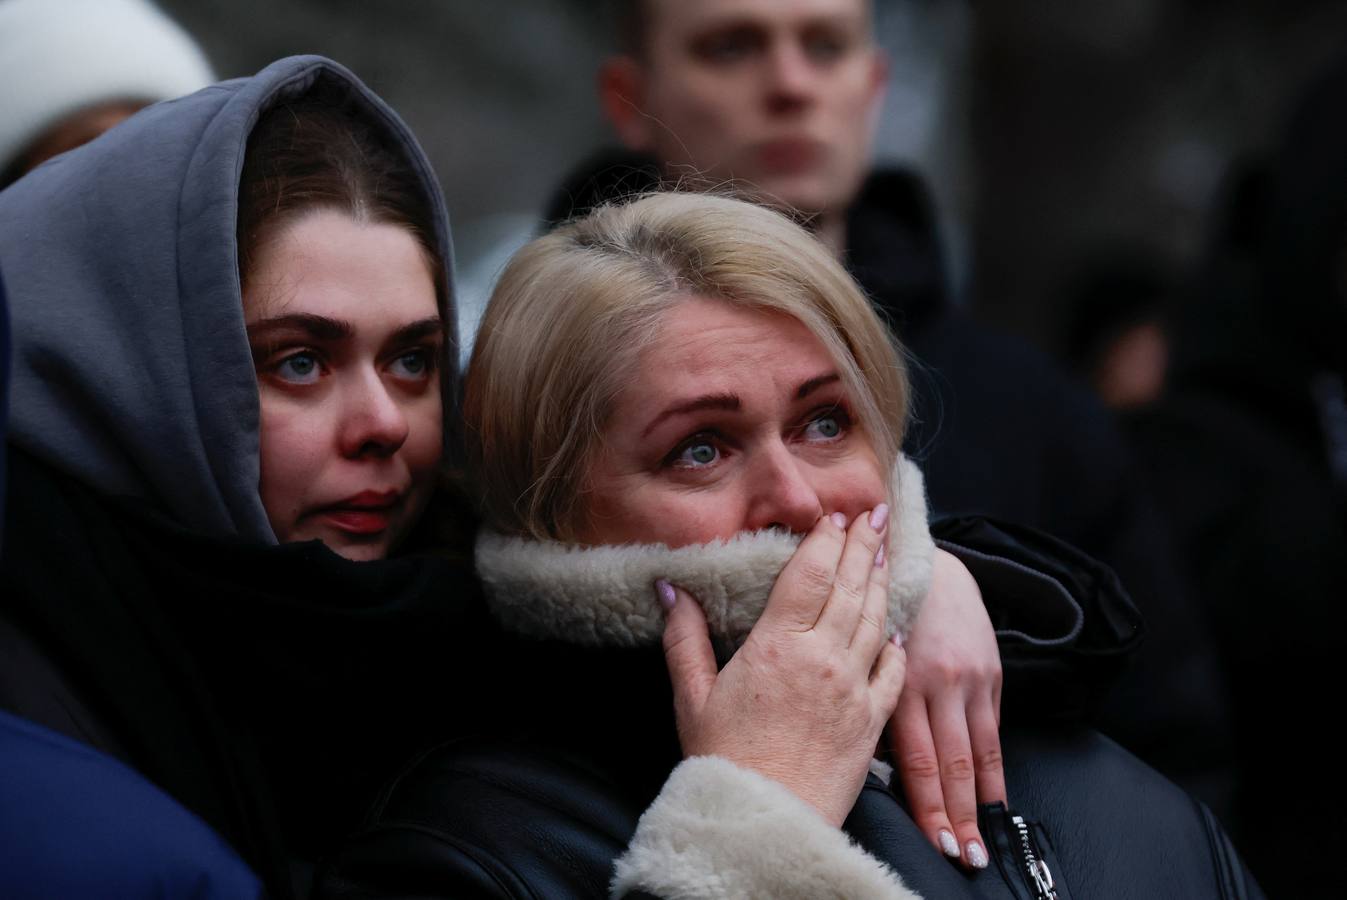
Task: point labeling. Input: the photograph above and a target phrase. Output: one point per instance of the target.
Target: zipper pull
(1040, 876)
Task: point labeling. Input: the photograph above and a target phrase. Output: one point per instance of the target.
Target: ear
(622, 94)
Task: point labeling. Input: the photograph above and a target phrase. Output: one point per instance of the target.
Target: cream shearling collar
(605, 596)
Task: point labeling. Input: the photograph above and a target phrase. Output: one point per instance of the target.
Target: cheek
(425, 440)
(290, 447)
(852, 489)
(703, 121)
(627, 511)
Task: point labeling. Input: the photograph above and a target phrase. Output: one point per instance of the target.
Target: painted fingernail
(948, 845)
(898, 642)
(878, 516)
(667, 597)
(977, 857)
(839, 520)
(879, 556)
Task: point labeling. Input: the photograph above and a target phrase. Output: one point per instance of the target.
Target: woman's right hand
(806, 698)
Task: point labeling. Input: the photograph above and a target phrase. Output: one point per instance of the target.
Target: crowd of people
(738, 561)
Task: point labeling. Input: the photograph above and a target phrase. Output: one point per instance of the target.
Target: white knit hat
(59, 56)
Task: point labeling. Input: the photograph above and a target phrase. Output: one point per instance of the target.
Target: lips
(789, 156)
(366, 513)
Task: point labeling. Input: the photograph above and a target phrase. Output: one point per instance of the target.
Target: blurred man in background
(72, 69)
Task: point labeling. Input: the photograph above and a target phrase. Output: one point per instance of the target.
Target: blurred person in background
(72, 69)
(779, 101)
(1249, 450)
(1116, 330)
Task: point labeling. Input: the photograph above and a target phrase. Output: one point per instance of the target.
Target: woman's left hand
(945, 733)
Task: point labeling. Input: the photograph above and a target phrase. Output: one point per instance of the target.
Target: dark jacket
(269, 690)
(546, 814)
(1000, 431)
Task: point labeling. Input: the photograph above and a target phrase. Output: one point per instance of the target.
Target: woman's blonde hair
(574, 310)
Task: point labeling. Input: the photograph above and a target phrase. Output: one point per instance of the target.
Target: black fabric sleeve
(1065, 626)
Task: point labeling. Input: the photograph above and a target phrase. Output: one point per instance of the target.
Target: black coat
(270, 690)
(546, 814)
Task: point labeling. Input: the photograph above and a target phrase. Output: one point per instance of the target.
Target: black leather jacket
(493, 821)
(546, 813)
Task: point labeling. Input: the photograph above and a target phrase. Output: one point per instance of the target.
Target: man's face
(779, 96)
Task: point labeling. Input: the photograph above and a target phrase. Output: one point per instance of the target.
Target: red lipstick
(368, 512)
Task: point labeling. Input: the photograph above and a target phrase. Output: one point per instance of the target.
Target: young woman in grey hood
(186, 584)
(153, 606)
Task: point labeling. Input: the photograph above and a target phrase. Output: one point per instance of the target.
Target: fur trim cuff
(719, 831)
(605, 595)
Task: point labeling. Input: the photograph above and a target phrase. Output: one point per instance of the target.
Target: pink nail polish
(665, 592)
(839, 520)
(879, 556)
(878, 516)
(898, 642)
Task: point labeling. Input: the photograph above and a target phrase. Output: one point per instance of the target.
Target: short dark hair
(319, 151)
(631, 24)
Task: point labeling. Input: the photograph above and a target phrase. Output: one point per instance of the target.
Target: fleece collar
(605, 596)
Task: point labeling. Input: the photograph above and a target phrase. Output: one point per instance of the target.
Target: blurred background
(1055, 133)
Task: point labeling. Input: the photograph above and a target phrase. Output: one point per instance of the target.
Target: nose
(791, 77)
(782, 492)
(373, 423)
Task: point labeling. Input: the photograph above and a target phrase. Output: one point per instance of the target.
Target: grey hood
(131, 366)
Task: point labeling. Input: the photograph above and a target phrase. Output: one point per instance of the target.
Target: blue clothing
(75, 822)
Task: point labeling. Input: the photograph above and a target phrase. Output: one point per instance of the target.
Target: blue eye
(299, 368)
(697, 454)
(824, 428)
(414, 365)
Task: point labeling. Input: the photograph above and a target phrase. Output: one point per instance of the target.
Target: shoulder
(490, 819)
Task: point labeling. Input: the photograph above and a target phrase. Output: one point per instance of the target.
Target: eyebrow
(418, 330)
(732, 402)
(318, 327)
(710, 401)
(814, 384)
(323, 328)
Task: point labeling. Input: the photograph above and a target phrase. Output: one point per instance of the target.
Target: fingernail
(667, 597)
(879, 556)
(977, 857)
(948, 845)
(898, 642)
(839, 520)
(878, 516)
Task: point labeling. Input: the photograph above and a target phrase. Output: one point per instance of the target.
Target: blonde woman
(683, 417)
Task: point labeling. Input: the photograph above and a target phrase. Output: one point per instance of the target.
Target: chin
(799, 197)
(359, 552)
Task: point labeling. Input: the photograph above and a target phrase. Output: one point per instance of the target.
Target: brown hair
(574, 310)
(320, 152)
